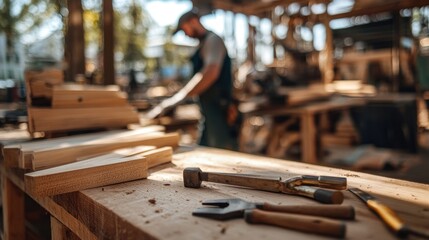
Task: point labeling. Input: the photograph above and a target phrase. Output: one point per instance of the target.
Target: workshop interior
(214, 119)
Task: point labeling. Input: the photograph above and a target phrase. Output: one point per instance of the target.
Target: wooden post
(108, 43)
(308, 138)
(13, 210)
(60, 232)
(327, 59)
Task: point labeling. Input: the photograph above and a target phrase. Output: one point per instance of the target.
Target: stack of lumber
(67, 164)
(57, 107)
(296, 96)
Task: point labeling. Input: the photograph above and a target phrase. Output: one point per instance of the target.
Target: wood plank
(40, 83)
(123, 152)
(80, 96)
(61, 155)
(84, 174)
(154, 156)
(50, 119)
(13, 210)
(15, 158)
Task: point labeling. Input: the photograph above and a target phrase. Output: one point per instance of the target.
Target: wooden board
(61, 155)
(161, 208)
(16, 159)
(40, 83)
(80, 96)
(85, 174)
(49, 119)
(154, 156)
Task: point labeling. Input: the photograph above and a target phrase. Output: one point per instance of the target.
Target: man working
(212, 82)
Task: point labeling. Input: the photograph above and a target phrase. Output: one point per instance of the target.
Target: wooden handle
(331, 211)
(308, 224)
(250, 181)
(388, 216)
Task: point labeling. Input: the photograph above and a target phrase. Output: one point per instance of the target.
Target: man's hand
(163, 107)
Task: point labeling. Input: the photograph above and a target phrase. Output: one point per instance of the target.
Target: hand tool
(300, 185)
(388, 216)
(283, 216)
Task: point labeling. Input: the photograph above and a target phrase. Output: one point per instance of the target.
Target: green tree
(17, 17)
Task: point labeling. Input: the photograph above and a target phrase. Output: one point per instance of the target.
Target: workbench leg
(13, 210)
(61, 232)
(308, 139)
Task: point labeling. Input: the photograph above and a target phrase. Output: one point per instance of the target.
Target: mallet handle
(302, 223)
(251, 181)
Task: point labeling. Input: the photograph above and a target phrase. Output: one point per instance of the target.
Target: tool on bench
(305, 185)
(388, 216)
(290, 217)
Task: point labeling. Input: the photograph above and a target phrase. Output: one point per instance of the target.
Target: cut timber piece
(47, 119)
(84, 174)
(76, 96)
(15, 152)
(61, 155)
(40, 83)
(123, 152)
(154, 156)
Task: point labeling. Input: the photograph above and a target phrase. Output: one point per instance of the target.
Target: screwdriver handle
(331, 211)
(302, 223)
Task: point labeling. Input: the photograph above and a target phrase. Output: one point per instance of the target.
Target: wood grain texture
(160, 207)
(61, 232)
(13, 210)
(63, 119)
(83, 96)
(40, 83)
(84, 174)
(15, 152)
(61, 155)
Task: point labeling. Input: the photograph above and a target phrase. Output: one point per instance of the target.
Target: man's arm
(213, 53)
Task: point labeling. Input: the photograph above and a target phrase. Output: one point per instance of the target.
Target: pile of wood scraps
(68, 164)
(57, 107)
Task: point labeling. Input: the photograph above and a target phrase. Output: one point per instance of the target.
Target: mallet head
(191, 177)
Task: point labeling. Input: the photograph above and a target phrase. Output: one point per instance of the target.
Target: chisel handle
(302, 223)
(331, 211)
(389, 217)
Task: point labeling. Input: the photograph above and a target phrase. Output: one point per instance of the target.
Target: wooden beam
(15, 158)
(81, 96)
(61, 155)
(85, 174)
(384, 7)
(154, 156)
(51, 119)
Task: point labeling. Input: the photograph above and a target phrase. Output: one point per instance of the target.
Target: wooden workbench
(160, 207)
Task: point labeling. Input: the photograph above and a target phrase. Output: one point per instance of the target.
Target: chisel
(388, 216)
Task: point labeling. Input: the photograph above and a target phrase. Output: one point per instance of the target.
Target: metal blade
(361, 194)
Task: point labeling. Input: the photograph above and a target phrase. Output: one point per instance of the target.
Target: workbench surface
(160, 207)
